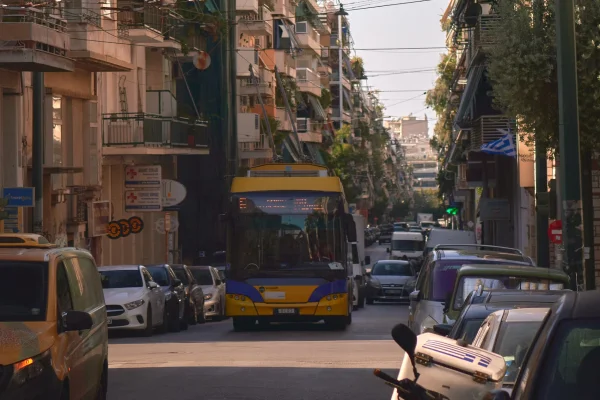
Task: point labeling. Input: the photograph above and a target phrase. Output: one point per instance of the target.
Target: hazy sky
(410, 25)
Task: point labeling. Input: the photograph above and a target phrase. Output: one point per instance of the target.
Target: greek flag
(505, 146)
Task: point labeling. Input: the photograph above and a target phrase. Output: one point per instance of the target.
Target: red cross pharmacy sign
(555, 232)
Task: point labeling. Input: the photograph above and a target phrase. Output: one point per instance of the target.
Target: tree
(400, 210)
(523, 71)
(427, 202)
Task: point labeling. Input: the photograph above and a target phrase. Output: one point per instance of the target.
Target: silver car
(213, 288)
(390, 280)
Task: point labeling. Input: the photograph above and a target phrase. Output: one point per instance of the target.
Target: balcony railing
(486, 31)
(261, 145)
(265, 82)
(140, 15)
(258, 24)
(149, 130)
(308, 81)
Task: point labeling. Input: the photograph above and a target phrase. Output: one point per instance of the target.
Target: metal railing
(83, 15)
(50, 17)
(141, 15)
(486, 32)
(150, 130)
(307, 75)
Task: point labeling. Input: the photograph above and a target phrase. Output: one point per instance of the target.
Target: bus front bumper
(329, 306)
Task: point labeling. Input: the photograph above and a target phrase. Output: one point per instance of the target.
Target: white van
(407, 245)
(448, 236)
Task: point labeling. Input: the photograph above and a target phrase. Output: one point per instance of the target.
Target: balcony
(334, 80)
(150, 134)
(142, 23)
(285, 124)
(486, 129)
(265, 83)
(259, 24)
(246, 5)
(285, 8)
(308, 81)
(309, 130)
(308, 37)
(486, 31)
(34, 40)
(347, 117)
(246, 56)
(254, 150)
(285, 63)
(93, 48)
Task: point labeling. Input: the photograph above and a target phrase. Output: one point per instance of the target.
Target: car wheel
(164, 327)
(103, 385)
(174, 320)
(192, 314)
(202, 317)
(148, 329)
(369, 301)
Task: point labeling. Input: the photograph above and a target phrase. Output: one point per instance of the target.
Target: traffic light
(452, 210)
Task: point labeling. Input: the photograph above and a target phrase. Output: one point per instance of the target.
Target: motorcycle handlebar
(409, 390)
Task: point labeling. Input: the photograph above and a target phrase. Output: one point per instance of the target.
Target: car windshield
(278, 232)
(570, 368)
(445, 272)
(23, 291)
(203, 277)
(181, 275)
(468, 284)
(469, 330)
(122, 278)
(514, 339)
(408, 245)
(159, 275)
(391, 269)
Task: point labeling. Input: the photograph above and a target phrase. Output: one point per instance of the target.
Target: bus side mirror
(350, 227)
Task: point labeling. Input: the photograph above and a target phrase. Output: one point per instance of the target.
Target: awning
(320, 114)
(473, 79)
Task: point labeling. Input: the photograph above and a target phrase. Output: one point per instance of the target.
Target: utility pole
(570, 165)
(37, 162)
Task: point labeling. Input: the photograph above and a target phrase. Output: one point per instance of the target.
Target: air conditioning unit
(302, 27)
(248, 127)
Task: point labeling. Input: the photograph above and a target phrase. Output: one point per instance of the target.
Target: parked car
(563, 360)
(53, 334)
(401, 227)
(174, 292)
(133, 300)
(407, 245)
(480, 304)
(390, 280)
(194, 296)
(509, 333)
(438, 276)
(214, 291)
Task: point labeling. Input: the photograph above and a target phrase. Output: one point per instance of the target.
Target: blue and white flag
(505, 146)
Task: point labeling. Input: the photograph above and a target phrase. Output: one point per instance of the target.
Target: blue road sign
(19, 196)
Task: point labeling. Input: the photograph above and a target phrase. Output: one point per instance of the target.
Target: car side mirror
(176, 282)
(442, 329)
(77, 321)
(368, 260)
(152, 285)
(497, 394)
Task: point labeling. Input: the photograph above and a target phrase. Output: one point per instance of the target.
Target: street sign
(143, 176)
(555, 232)
(143, 200)
(19, 196)
(173, 193)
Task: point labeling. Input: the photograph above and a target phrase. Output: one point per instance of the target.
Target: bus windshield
(288, 233)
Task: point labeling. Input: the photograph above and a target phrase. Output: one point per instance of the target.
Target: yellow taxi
(53, 325)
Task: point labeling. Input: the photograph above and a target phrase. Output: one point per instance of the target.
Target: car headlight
(375, 283)
(208, 296)
(134, 304)
(30, 368)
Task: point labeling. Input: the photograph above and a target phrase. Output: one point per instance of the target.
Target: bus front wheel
(241, 324)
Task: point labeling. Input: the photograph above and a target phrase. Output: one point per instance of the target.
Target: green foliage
(325, 98)
(358, 67)
(291, 92)
(523, 71)
(427, 202)
(400, 209)
(445, 180)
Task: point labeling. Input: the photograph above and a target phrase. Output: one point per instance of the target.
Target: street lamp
(340, 13)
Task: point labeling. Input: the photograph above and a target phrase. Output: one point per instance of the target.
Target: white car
(133, 300)
(509, 333)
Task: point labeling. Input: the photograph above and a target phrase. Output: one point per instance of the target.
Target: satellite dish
(201, 60)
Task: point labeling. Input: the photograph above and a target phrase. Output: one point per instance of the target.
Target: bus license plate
(286, 311)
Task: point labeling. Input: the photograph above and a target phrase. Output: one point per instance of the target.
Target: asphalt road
(211, 362)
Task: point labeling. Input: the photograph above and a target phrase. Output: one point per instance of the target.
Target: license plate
(393, 291)
(285, 311)
(109, 321)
